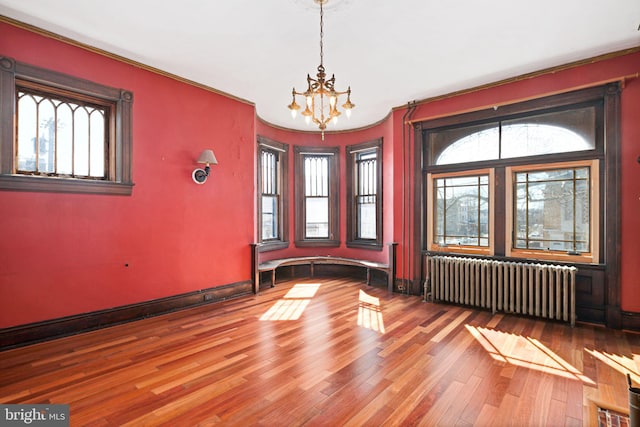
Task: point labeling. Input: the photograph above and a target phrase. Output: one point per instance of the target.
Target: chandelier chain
(321, 31)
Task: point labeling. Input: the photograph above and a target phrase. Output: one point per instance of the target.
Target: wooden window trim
(120, 156)
(591, 257)
(283, 173)
(462, 249)
(334, 193)
(352, 222)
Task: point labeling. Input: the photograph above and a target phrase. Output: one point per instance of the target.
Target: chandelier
(321, 97)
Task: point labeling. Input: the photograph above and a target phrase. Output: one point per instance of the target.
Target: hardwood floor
(327, 351)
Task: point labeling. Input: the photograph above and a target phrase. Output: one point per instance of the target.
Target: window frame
(282, 177)
(352, 152)
(333, 154)
(118, 173)
(603, 98)
(591, 257)
(468, 249)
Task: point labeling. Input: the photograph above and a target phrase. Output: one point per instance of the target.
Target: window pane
(367, 217)
(81, 142)
(366, 178)
(483, 218)
(462, 211)
(64, 146)
(272, 227)
(582, 213)
(534, 234)
(59, 137)
(439, 215)
(46, 137)
(96, 147)
(366, 183)
(316, 170)
(269, 217)
(556, 132)
(268, 173)
(317, 217)
(548, 133)
(553, 210)
(466, 144)
(27, 133)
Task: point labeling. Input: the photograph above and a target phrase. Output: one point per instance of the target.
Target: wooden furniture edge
(271, 265)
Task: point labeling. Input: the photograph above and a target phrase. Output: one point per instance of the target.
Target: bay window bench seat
(273, 264)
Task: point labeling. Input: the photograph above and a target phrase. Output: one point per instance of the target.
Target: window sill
(372, 246)
(272, 246)
(552, 256)
(469, 250)
(317, 243)
(63, 185)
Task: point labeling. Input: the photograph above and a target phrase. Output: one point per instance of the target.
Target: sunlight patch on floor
(303, 290)
(369, 312)
(526, 352)
(293, 304)
(623, 364)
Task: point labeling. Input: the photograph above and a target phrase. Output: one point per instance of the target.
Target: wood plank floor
(327, 351)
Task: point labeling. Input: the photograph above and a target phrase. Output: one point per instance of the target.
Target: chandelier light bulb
(332, 100)
(293, 107)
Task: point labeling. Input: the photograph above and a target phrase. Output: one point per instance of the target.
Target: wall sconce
(208, 158)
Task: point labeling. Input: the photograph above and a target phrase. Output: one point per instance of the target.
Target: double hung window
(317, 192)
(364, 195)
(272, 183)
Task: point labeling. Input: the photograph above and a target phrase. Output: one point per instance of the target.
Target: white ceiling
(389, 51)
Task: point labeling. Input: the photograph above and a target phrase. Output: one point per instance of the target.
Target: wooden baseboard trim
(21, 335)
(630, 321)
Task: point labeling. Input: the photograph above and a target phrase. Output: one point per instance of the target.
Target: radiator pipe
(406, 197)
(411, 194)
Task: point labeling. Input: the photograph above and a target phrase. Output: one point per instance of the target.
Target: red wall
(65, 254)
(630, 189)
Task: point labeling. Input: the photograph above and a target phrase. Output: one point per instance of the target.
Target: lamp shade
(207, 157)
